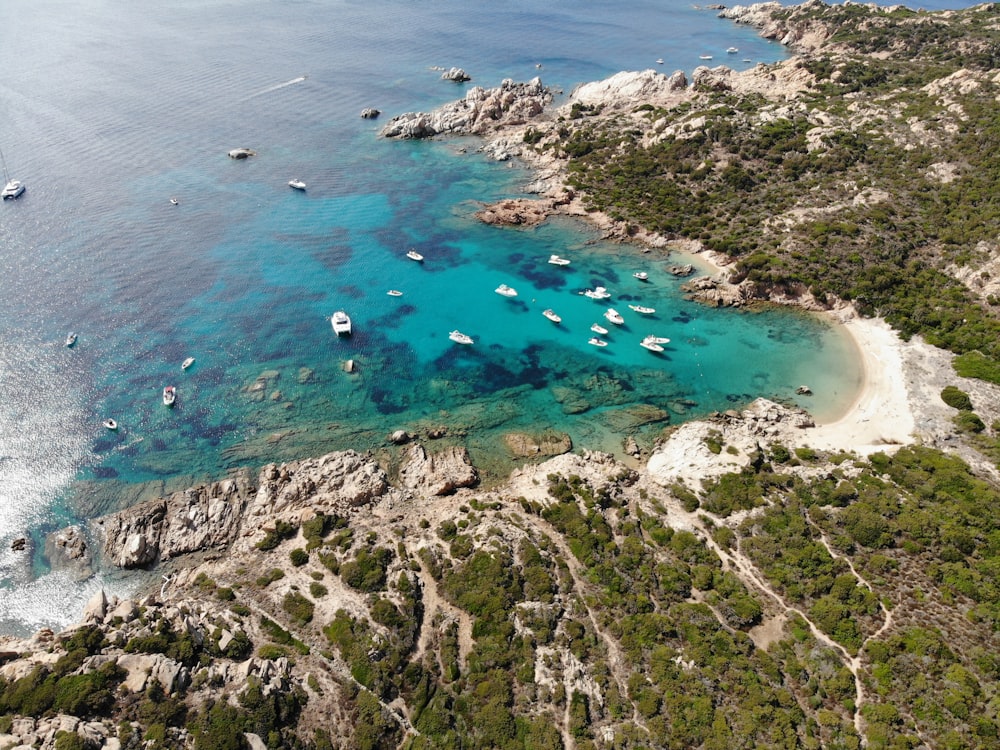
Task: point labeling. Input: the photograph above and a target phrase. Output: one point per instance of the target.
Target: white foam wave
(269, 89)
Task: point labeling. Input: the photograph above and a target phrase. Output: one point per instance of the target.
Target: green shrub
(977, 365)
(956, 399)
(367, 571)
(282, 530)
(274, 574)
(298, 557)
(967, 421)
(317, 590)
(299, 607)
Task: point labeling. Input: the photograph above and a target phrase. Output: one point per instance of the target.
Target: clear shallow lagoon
(110, 110)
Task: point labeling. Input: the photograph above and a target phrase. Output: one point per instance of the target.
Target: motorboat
(557, 261)
(659, 61)
(649, 343)
(341, 323)
(732, 50)
(174, 201)
(642, 310)
(70, 338)
(658, 339)
(506, 291)
(394, 293)
(613, 316)
(110, 424)
(187, 363)
(460, 338)
(414, 255)
(552, 316)
(297, 184)
(169, 395)
(594, 341)
(11, 188)
(641, 275)
(598, 328)
(704, 57)
(242, 153)
(597, 293)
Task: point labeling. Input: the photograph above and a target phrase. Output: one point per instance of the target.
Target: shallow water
(111, 109)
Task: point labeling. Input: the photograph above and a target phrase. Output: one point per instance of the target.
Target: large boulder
(439, 473)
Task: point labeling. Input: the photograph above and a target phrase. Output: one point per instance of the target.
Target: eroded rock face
(481, 111)
(439, 473)
(337, 483)
(197, 519)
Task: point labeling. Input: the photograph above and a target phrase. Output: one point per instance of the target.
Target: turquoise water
(108, 110)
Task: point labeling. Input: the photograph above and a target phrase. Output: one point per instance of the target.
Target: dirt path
(433, 603)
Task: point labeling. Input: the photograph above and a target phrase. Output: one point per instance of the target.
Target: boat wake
(269, 89)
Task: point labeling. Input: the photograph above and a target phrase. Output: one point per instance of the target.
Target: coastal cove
(242, 273)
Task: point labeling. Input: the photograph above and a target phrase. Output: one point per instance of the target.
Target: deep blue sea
(107, 110)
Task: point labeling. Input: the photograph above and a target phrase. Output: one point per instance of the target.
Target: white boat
(613, 316)
(506, 291)
(110, 424)
(598, 328)
(169, 395)
(557, 261)
(174, 201)
(659, 61)
(341, 323)
(732, 50)
(297, 184)
(594, 341)
(11, 188)
(460, 338)
(704, 57)
(70, 339)
(187, 363)
(552, 316)
(414, 255)
(642, 310)
(658, 339)
(641, 275)
(394, 293)
(598, 293)
(649, 343)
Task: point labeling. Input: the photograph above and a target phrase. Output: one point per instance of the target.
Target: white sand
(882, 414)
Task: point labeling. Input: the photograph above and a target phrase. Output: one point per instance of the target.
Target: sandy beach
(883, 413)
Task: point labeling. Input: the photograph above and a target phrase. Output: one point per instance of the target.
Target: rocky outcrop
(521, 212)
(481, 111)
(719, 293)
(439, 473)
(197, 519)
(687, 455)
(456, 74)
(526, 445)
(67, 550)
(629, 88)
(370, 113)
(804, 30)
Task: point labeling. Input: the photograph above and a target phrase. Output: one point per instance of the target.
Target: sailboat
(11, 188)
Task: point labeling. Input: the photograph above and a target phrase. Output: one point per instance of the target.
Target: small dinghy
(460, 338)
(598, 328)
(594, 341)
(70, 339)
(169, 395)
(187, 363)
(110, 424)
(297, 184)
(394, 293)
(414, 255)
(642, 310)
